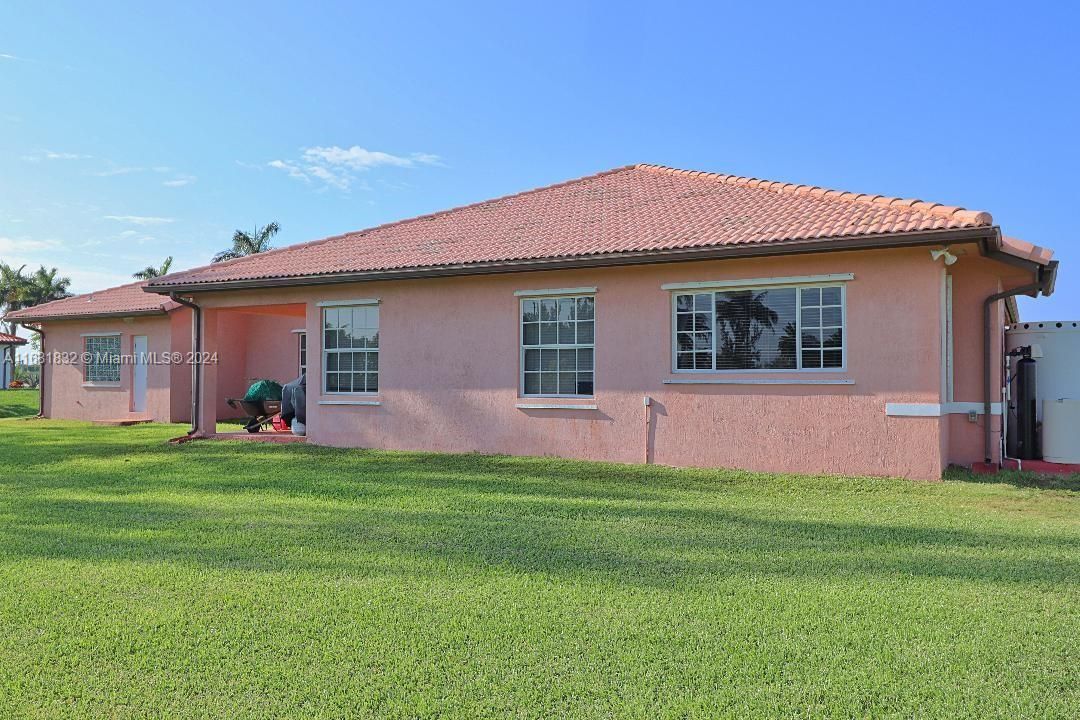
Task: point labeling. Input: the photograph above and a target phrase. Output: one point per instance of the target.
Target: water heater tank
(1057, 368)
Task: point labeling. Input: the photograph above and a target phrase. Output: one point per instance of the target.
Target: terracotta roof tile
(631, 209)
(6, 339)
(120, 300)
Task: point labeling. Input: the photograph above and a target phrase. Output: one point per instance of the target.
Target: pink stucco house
(644, 314)
(122, 355)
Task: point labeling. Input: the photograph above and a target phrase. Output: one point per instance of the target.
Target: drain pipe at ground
(41, 368)
(196, 358)
(988, 384)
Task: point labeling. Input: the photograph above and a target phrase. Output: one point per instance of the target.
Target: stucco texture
(67, 396)
(449, 370)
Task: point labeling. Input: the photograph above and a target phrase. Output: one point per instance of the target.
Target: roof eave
(980, 234)
(85, 316)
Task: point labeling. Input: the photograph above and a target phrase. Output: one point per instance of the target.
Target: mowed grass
(18, 403)
(233, 580)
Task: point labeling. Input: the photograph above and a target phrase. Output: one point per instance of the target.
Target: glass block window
(785, 328)
(102, 358)
(351, 349)
(557, 344)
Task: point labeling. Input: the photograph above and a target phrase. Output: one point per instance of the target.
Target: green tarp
(263, 390)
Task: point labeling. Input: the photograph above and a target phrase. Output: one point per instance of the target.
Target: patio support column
(208, 385)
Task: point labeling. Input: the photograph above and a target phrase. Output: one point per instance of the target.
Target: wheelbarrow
(259, 412)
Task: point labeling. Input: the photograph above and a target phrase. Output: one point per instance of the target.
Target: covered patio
(242, 344)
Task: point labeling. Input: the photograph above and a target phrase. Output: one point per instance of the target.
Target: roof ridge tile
(974, 217)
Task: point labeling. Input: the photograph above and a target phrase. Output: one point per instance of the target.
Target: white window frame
(325, 352)
(696, 288)
(526, 295)
(301, 351)
(86, 381)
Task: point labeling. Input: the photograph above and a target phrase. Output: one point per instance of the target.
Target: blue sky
(129, 132)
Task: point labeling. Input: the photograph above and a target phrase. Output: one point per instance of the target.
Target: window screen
(557, 342)
(760, 329)
(351, 349)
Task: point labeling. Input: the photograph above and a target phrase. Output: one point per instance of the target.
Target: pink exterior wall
(449, 370)
(975, 278)
(180, 374)
(68, 397)
(252, 343)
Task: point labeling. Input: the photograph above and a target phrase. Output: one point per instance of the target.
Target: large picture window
(351, 349)
(102, 358)
(557, 342)
(784, 328)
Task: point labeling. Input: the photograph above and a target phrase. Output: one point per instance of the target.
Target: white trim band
(757, 381)
(350, 402)
(755, 282)
(938, 409)
(555, 291)
(541, 406)
(340, 303)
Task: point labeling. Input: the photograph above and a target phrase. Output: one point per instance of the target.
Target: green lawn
(18, 403)
(234, 580)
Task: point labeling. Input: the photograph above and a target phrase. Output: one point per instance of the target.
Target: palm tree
(13, 285)
(18, 291)
(150, 272)
(244, 244)
(44, 286)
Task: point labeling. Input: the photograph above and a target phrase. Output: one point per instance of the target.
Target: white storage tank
(1061, 431)
(1057, 373)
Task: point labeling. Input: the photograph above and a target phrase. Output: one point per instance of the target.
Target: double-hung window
(350, 349)
(102, 359)
(765, 328)
(557, 342)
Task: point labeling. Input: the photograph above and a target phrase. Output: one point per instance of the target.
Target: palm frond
(244, 244)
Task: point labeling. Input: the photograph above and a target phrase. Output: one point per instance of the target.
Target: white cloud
(140, 220)
(180, 181)
(355, 157)
(337, 167)
(117, 171)
(54, 155)
(6, 56)
(11, 246)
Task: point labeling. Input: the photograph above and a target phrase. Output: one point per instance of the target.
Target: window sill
(351, 402)
(758, 381)
(555, 406)
(113, 385)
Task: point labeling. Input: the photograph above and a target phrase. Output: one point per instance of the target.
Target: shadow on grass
(1070, 483)
(338, 513)
(18, 403)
